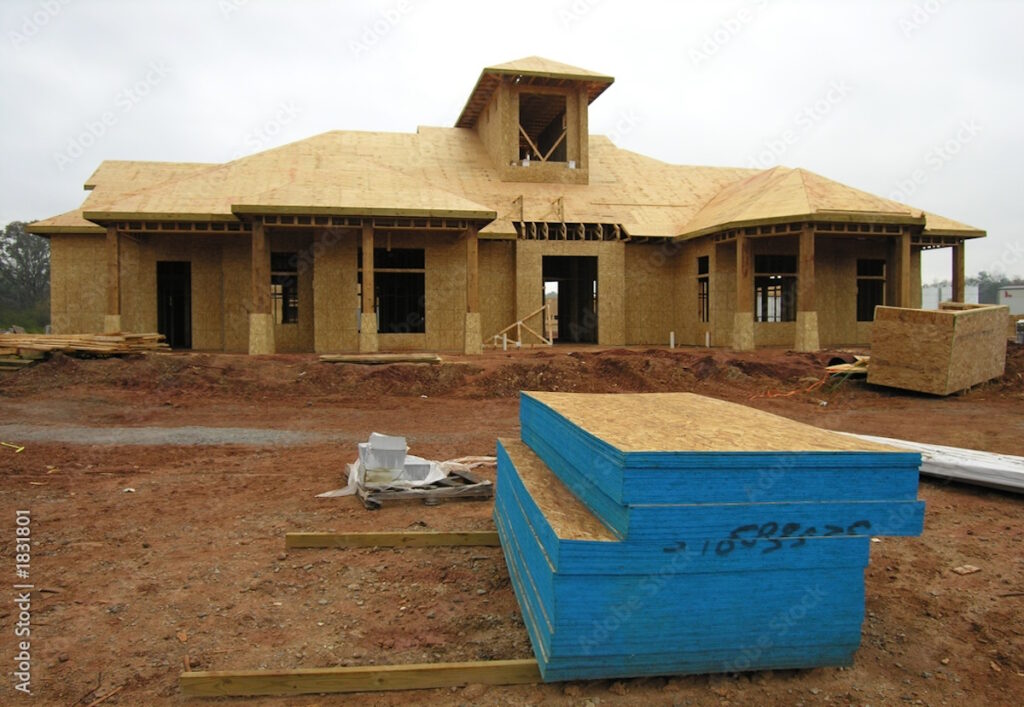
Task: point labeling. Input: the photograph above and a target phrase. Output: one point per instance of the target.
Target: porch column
(112, 319)
(261, 320)
(958, 272)
(904, 265)
(806, 308)
(473, 338)
(743, 319)
(368, 317)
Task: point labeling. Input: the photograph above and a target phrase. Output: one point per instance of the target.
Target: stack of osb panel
(662, 534)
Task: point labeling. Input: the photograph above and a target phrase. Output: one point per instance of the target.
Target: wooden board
(358, 679)
(380, 359)
(487, 538)
(938, 351)
(670, 422)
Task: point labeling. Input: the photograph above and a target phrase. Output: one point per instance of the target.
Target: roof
(786, 194)
(447, 172)
(536, 70)
(66, 223)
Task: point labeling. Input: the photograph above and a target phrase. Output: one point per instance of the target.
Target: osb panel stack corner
(938, 351)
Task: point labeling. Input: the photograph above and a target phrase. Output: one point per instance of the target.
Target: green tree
(24, 278)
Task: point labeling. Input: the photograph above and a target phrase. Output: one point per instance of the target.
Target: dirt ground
(145, 555)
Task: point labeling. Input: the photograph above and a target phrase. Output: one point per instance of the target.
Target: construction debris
(82, 344)
(859, 367)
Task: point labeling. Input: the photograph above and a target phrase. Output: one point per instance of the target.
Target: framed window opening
(703, 289)
(399, 283)
(284, 287)
(775, 288)
(870, 287)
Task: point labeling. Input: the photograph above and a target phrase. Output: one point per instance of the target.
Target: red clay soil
(190, 563)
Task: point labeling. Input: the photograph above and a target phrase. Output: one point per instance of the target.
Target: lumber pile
(658, 534)
(938, 351)
(380, 359)
(77, 344)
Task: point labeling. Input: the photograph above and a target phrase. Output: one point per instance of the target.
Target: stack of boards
(660, 534)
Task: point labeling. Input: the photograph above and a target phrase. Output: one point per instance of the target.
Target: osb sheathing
(688, 327)
(78, 283)
(139, 288)
(938, 352)
(611, 283)
(650, 296)
(835, 267)
(335, 289)
(497, 263)
(297, 337)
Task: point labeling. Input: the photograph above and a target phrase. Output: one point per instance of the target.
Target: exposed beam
(904, 261)
(260, 271)
(472, 270)
(958, 272)
(113, 271)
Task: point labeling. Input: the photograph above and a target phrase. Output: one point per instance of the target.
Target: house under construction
(437, 240)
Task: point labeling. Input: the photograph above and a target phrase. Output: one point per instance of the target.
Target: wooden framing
(519, 326)
(113, 272)
(805, 300)
(427, 538)
(958, 272)
(472, 270)
(423, 676)
(367, 269)
(260, 279)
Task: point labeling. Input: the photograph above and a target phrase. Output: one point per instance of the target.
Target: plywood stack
(96, 344)
(671, 533)
(938, 351)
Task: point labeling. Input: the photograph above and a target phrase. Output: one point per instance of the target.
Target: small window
(775, 288)
(284, 287)
(870, 288)
(399, 283)
(703, 289)
(542, 127)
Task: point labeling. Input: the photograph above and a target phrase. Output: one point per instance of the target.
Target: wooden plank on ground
(427, 538)
(358, 679)
(379, 359)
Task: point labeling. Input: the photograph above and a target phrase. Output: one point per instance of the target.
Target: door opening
(574, 280)
(174, 303)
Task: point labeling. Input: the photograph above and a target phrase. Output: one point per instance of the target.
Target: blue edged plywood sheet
(657, 520)
(686, 448)
(574, 541)
(678, 612)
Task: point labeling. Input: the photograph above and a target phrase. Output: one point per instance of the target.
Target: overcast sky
(920, 100)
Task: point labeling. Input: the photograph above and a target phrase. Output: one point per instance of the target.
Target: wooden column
(112, 320)
(261, 320)
(958, 272)
(806, 309)
(368, 319)
(743, 323)
(260, 271)
(473, 339)
(904, 265)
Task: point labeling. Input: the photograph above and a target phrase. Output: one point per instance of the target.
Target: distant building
(438, 239)
(1013, 297)
(931, 295)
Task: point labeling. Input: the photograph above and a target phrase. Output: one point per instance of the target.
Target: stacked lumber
(938, 351)
(656, 534)
(380, 359)
(97, 344)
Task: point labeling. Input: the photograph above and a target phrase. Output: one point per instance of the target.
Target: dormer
(531, 114)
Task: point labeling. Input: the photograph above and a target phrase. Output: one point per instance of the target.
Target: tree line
(24, 279)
